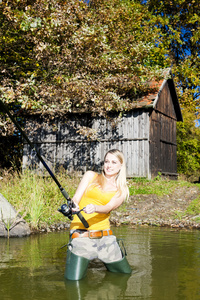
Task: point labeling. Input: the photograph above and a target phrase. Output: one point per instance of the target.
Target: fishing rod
(66, 209)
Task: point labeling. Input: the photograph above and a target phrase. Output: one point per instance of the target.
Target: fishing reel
(66, 210)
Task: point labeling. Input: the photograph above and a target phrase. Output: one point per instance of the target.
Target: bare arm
(104, 209)
(82, 187)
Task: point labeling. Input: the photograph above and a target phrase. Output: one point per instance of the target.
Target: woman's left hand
(90, 209)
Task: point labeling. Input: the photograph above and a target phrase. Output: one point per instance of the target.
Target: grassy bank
(39, 198)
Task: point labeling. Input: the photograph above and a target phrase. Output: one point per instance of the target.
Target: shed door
(155, 146)
(163, 145)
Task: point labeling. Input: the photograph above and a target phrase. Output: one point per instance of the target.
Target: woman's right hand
(75, 207)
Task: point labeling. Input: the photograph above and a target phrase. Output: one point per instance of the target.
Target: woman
(97, 195)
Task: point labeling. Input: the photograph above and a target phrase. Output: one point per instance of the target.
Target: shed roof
(147, 101)
(150, 100)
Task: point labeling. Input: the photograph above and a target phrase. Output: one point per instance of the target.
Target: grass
(194, 207)
(157, 186)
(38, 198)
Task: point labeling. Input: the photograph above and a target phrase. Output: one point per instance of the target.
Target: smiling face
(112, 165)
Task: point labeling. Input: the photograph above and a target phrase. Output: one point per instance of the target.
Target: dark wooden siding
(163, 136)
(155, 146)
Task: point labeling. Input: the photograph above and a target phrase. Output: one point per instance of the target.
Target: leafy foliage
(62, 56)
(188, 140)
(179, 22)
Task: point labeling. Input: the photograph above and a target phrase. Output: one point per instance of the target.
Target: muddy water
(166, 265)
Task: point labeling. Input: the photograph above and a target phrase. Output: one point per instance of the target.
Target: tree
(188, 152)
(179, 22)
(62, 56)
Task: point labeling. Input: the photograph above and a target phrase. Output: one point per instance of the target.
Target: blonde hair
(120, 179)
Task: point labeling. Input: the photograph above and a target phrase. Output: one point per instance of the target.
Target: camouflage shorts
(105, 249)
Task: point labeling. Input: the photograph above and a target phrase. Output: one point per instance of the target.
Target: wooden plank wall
(61, 145)
(163, 157)
(168, 145)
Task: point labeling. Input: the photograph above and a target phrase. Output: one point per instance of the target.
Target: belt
(92, 234)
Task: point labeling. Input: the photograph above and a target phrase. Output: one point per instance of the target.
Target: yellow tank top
(96, 221)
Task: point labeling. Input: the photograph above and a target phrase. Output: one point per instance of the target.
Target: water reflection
(107, 286)
(166, 265)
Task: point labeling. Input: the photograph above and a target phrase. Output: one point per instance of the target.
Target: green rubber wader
(120, 266)
(76, 266)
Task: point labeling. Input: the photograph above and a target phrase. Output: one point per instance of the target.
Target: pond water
(166, 265)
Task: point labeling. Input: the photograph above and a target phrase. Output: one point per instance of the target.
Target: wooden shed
(146, 135)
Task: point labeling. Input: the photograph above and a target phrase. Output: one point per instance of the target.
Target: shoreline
(173, 224)
(151, 210)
